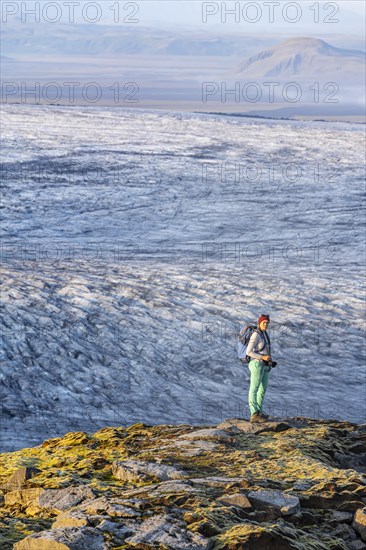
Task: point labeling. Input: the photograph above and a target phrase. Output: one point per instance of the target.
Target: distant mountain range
(306, 58)
(89, 40)
(171, 66)
(19, 40)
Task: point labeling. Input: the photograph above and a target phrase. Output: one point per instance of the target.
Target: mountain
(107, 40)
(305, 58)
(296, 483)
(67, 40)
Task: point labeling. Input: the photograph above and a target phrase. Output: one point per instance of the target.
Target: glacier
(134, 245)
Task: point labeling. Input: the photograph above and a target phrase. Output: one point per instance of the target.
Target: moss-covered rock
(197, 481)
(275, 536)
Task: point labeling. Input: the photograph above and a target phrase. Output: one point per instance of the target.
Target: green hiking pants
(258, 384)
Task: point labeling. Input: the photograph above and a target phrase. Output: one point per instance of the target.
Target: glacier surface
(136, 243)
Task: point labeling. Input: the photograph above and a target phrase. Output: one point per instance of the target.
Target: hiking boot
(264, 415)
(256, 417)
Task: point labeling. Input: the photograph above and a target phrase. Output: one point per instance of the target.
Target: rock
(135, 503)
(140, 492)
(19, 478)
(303, 518)
(334, 495)
(355, 462)
(274, 536)
(235, 499)
(246, 493)
(341, 517)
(357, 545)
(287, 504)
(172, 487)
(221, 481)
(71, 519)
(23, 498)
(110, 506)
(303, 485)
(162, 489)
(118, 510)
(254, 428)
(195, 447)
(69, 538)
(344, 531)
(209, 433)
(120, 530)
(59, 500)
(162, 531)
(94, 505)
(134, 470)
(359, 523)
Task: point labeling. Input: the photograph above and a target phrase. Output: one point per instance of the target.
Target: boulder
(355, 461)
(334, 495)
(71, 519)
(69, 538)
(235, 499)
(119, 511)
(214, 434)
(59, 500)
(23, 498)
(221, 481)
(132, 471)
(253, 427)
(357, 545)
(55, 500)
(269, 536)
(135, 503)
(303, 518)
(110, 506)
(286, 504)
(359, 523)
(195, 447)
(303, 485)
(119, 530)
(344, 532)
(163, 531)
(19, 478)
(341, 517)
(172, 487)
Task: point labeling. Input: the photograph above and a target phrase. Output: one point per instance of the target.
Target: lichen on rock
(236, 485)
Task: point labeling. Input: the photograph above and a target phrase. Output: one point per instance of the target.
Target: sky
(250, 16)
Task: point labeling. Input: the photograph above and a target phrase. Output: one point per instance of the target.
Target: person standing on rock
(260, 364)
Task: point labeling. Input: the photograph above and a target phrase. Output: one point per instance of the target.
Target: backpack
(243, 341)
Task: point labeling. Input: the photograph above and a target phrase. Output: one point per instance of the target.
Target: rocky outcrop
(164, 531)
(135, 471)
(19, 478)
(278, 500)
(232, 486)
(69, 538)
(359, 523)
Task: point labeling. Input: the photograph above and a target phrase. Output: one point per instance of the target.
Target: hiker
(260, 364)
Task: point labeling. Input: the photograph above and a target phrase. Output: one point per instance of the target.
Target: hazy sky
(340, 16)
(192, 12)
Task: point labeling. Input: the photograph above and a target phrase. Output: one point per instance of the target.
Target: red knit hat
(263, 318)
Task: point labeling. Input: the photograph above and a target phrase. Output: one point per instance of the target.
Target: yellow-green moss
(274, 460)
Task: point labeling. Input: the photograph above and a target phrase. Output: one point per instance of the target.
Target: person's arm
(253, 343)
